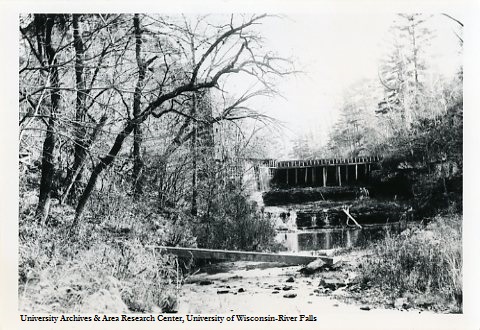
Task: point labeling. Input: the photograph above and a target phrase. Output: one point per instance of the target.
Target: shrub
(419, 261)
(235, 223)
(99, 269)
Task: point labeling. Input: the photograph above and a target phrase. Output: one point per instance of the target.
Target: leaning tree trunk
(78, 167)
(48, 153)
(99, 168)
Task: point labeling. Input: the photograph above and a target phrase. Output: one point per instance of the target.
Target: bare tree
(44, 31)
(229, 50)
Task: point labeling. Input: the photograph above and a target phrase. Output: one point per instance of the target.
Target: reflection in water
(324, 239)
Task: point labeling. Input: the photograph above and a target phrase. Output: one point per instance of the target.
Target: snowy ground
(257, 288)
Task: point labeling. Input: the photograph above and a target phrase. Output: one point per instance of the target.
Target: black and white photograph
(203, 168)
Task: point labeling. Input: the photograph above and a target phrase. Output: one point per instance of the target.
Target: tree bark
(194, 209)
(137, 131)
(48, 153)
(80, 141)
(102, 165)
(78, 167)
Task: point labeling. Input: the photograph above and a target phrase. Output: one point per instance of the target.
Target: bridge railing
(320, 162)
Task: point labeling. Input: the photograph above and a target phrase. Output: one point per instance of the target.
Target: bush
(104, 267)
(236, 224)
(420, 261)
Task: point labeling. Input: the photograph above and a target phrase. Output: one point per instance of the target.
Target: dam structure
(336, 172)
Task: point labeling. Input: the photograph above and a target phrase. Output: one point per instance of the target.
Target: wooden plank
(346, 174)
(324, 176)
(339, 170)
(291, 259)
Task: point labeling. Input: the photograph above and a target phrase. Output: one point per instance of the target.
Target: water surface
(344, 237)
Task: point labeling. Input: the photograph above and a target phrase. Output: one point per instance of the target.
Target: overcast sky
(335, 51)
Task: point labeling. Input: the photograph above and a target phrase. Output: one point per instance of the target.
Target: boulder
(314, 266)
(402, 303)
(332, 283)
(424, 301)
(290, 295)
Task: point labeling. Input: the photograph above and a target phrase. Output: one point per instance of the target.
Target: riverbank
(358, 282)
(254, 288)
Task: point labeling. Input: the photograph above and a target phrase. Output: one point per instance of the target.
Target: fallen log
(197, 253)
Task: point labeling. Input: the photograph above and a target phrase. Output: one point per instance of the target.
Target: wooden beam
(196, 253)
(356, 172)
(339, 170)
(346, 174)
(324, 176)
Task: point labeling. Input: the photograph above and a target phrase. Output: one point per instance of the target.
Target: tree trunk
(78, 166)
(102, 165)
(177, 141)
(193, 209)
(48, 157)
(137, 131)
(80, 140)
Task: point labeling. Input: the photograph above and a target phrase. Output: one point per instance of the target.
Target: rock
(290, 295)
(338, 265)
(241, 290)
(332, 283)
(274, 292)
(205, 282)
(353, 278)
(277, 288)
(290, 280)
(313, 267)
(340, 292)
(222, 291)
(365, 308)
(354, 287)
(287, 287)
(402, 303)
(424, 301)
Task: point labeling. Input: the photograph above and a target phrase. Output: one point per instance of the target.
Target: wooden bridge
(321, 172)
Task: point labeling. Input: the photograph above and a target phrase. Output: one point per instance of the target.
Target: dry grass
(96, 270)
(420, 262)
